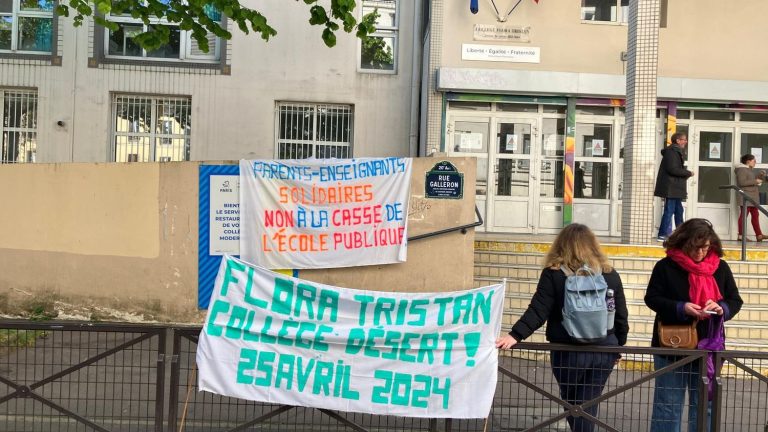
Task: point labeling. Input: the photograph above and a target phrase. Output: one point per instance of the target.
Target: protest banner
(277, 339)
(324, 213)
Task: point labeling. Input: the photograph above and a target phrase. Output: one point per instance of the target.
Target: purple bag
(715, 341)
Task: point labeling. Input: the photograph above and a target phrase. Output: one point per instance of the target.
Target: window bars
(314, 130)
(150, 129)
(18, 129)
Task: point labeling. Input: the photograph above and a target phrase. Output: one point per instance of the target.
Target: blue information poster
(218, 224)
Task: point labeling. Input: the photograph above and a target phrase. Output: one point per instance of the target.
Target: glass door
(550, 178)
(711, 159)
(514, 176)
(754, 141)
(468, 136)
(592, 182)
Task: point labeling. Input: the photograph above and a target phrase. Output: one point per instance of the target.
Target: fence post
(717, 395)
(743, 229)
(173, 402)
(160, 385)
(703, 403)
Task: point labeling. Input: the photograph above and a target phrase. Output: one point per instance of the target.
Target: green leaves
(202, 17)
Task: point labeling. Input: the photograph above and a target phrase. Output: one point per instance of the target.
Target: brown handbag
(683, 336)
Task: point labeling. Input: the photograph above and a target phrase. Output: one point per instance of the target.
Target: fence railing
(117, 377)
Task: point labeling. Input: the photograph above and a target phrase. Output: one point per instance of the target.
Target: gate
(81, 377)
(120, 378)
(194, 411)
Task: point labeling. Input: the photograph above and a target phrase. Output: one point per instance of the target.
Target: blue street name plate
(444, 181)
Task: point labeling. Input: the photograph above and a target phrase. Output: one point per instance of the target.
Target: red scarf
(702, 284)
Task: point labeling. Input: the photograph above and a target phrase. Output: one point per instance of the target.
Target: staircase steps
(520, 263)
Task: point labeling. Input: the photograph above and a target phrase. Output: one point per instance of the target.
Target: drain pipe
(413, 135)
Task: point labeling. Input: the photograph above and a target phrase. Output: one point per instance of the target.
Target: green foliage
(41, 308)
(42, 313)
(196, 16)
(12, 338)
(375, 53)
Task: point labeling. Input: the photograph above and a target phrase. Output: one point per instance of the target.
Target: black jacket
(668, 287)
(672, 176)
(547, 305)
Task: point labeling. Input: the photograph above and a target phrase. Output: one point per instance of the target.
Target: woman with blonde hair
(581, 375)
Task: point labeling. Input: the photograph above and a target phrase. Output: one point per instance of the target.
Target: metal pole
(743, 229)
(703, 403)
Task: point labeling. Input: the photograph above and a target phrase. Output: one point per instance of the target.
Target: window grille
(18, 128)
(378, 52)
(314, 130)
(149, 129)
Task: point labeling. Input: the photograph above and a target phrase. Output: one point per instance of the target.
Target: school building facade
(508, 83)
(505, 85)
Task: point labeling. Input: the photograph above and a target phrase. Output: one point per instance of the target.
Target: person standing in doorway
(749, 181)
(671, 184)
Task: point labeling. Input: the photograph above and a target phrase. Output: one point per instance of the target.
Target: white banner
(324, 213)
(277, 339)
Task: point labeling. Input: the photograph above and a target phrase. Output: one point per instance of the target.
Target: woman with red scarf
(691, 283)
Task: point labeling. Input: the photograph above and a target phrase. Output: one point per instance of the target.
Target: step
(755, 252)
(532, 272)
(751, 296)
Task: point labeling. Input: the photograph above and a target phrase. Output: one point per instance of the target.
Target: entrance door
(711, 159)
(514, 175)
(754, 141)
(469, 136)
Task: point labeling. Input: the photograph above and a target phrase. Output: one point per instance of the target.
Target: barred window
(314, 130)
(150, 129)
(26, 26)
(181, 45)
(18, 129)
(378, 52)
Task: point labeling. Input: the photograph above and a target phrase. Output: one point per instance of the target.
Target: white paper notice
(598, 147)
(471, 141)
(511, 145)
(714, 150)
(758, 153)
(225, 215)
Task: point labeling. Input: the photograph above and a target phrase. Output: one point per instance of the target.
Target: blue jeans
(669, 396)
(672, 206)
(582, 377)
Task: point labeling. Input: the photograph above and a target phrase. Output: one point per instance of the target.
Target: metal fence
(116, 377)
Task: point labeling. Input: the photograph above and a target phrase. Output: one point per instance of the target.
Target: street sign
(444, 181)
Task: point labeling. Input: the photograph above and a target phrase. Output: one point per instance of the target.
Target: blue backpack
(587, 314)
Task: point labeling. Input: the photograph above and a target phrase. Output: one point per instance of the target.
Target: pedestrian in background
(688, 285)
(748, 180)
(581, 375)
(671, 184)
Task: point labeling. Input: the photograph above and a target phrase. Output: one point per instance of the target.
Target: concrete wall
(119, 241)
(233, 116)
(704, 39)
